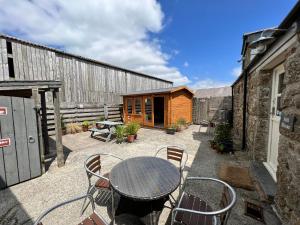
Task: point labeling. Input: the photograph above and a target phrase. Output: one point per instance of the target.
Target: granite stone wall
(258, 108)
(238, 99)
(288, 173)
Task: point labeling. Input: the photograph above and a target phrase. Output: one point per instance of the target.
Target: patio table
(144, 184)
(108, 128)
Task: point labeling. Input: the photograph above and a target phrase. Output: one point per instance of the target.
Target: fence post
(105, 112)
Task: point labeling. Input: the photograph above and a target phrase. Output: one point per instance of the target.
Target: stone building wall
(288, 173)
(257, 119)
(238, 99)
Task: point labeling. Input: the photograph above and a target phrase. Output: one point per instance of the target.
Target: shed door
(277, 87)
(19, 151)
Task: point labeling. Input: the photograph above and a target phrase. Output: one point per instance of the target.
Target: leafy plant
(120, 133)
(85, 123)
(101, 118)
(73, 128)
(173, 126)
(181, 121)
(223, 138)
(132, 128)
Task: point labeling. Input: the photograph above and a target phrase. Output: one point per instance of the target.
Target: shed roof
(159, 91)
(80, 57)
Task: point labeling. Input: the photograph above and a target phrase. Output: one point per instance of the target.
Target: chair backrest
(93, 164)
(174, 153)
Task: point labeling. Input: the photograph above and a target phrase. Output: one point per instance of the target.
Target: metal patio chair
(93, 219)
(93, 167)
(175, 153)
(192, 210)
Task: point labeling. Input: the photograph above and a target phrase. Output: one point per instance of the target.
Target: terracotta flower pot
(135, 136)
(130, 138)
(84, 128)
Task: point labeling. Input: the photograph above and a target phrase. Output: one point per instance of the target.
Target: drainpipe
(244, 109)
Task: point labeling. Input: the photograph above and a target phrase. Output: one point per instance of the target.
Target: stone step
(265, 184)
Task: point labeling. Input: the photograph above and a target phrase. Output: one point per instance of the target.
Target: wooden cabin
(158, 107)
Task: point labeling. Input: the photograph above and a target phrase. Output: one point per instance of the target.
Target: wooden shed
(158, 107)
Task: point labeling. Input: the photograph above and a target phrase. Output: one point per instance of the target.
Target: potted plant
(85, 125)
(131, 132)
(171, 129)
(181, 124)
(120, 133)
(222, 138)
(136, 126)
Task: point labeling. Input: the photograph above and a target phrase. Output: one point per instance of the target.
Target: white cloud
(208, 83)
(115, 31)
(236, 71)
(185, 64)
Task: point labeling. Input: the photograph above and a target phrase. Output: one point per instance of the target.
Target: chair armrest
(38, 220)
(96, 175)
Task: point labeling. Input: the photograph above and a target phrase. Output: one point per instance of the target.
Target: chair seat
(93, 219)
(194, 203)
(102, 183)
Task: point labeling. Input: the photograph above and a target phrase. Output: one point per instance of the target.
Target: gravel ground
(23, 203)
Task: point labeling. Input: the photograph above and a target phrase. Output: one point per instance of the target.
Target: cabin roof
(159, 91)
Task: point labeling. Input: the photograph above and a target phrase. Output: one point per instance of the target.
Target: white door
(277, 87)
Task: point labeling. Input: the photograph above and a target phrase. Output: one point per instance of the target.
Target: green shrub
(132, 128)
(222, 133)
(85, 123)
(101, 118)
(181, 122)
(120, 133)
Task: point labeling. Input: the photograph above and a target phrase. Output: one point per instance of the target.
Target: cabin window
(11, 70)
(148, 109)
(129, 106)
(138, 106)
(9, 47)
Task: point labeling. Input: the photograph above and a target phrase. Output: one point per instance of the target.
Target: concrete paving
(23, 203)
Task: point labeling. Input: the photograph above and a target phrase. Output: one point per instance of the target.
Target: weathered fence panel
(79, 113)
(213, 108)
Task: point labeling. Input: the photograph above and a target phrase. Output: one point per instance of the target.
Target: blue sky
(208, 34)
(190, 42)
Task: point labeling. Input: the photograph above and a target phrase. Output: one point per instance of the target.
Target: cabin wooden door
(148, 111)
(277, 86)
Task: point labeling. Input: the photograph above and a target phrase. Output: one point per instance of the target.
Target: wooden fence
(213, 108)
(80, 113)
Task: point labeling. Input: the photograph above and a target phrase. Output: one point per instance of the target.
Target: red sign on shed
(3, 111)
(4, 142)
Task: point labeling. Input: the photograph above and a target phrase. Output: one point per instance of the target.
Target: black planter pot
(171, 131)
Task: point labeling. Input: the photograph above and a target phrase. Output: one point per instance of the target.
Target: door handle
(31, 139)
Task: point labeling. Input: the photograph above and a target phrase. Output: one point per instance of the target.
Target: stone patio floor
(23, 203)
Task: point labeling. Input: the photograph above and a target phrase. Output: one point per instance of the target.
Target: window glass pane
(148, 109)
(138, 106)
(129, 106)
(281, 85)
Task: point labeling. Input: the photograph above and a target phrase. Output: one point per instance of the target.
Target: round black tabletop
(144, 178)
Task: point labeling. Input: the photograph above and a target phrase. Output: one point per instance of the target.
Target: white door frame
(274, 119)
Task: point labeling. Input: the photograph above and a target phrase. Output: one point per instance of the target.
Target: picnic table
(144, 184)
(105, 127)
